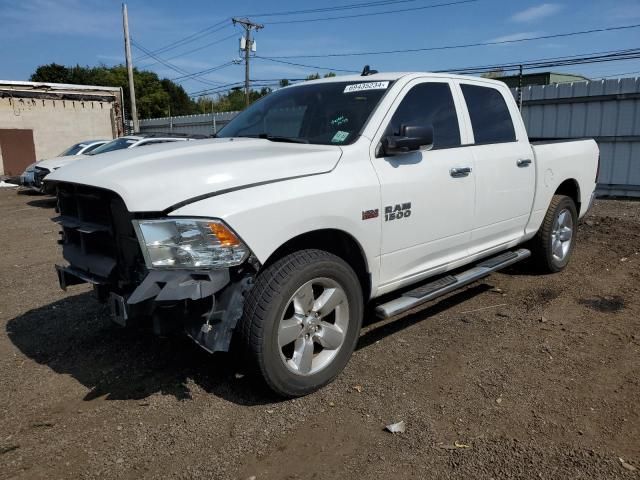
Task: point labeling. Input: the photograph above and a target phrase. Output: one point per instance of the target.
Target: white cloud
(514, 37)
(537, 13)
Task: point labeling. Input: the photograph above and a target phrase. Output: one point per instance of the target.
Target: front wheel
(301, 321)
(553, 244)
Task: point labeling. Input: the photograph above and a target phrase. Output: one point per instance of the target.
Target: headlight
(189, 243)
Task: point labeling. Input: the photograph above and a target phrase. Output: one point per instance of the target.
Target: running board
(444, 285)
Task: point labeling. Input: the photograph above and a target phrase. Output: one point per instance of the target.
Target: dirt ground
(519, 376)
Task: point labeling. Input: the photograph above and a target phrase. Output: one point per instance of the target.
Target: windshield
(332, 113)
(117, 144)
(72, 150)
(91, 148)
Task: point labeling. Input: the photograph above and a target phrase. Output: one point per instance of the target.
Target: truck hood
(57, 162)
(156, 178)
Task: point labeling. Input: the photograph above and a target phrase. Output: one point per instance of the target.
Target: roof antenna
(367, 71)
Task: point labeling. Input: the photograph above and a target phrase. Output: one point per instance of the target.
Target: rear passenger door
(504, 166)
(427, 205)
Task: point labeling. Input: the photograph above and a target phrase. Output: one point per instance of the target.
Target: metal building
(606, 110)
(540, 78)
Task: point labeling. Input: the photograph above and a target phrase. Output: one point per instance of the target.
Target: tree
(181, 103)
(284, 82)
(316, 76)
(53, 73)
(231, 101)
(154, 97)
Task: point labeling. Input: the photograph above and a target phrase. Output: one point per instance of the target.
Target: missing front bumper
(205, 304)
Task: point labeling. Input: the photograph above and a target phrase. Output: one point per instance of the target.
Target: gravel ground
(518, 376)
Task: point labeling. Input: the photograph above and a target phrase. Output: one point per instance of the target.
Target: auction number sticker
(360, 87)
(340, 137)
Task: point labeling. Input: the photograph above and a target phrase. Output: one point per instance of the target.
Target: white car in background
(81, 148)
(45, 167)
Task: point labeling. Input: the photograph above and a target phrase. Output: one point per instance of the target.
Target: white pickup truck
(314, 202)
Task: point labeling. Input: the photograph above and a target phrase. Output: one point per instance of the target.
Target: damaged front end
(173, 273)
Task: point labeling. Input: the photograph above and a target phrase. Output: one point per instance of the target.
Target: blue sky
(89, 32)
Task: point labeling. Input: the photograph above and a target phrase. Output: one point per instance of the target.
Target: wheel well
(333, 241)
(571, 189)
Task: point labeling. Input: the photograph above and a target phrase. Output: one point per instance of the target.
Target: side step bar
(444, 285)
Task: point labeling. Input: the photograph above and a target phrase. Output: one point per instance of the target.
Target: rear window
(490, 117)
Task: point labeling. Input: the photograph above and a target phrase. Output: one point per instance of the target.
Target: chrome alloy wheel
(313, 326)
(562, 235)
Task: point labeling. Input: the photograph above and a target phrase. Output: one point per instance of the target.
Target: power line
(546, 59)
(202, 72)
(208, 91)
(173, 67)
(210, 30)
(189, 52)
(306, 66)
(231, 86)
(620, 75)
(629, 54)
(191, 38)
(332, 9)
(465, 45)
(370, 14)
(579, 59)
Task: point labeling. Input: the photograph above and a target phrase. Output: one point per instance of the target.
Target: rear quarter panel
(559, 161)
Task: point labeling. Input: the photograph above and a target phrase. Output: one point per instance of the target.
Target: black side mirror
(412, 138)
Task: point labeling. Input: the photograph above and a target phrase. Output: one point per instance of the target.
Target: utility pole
(520, 89)
(127, 52)
(248, 25)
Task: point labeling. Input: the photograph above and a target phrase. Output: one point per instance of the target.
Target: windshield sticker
(339, 137)
(341, 120)
(359, 87)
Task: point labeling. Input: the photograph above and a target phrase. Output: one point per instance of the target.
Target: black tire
(542, 245)
(266, 304)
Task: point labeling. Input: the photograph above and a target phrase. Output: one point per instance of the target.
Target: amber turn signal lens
(225, 236)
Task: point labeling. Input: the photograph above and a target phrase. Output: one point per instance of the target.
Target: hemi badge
(368, 214)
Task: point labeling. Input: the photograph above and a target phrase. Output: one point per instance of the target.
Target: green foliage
(316, 76)
(154, 97)
(231, 102)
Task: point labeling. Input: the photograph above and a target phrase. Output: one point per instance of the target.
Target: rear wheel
(301, 321)
(553, 244)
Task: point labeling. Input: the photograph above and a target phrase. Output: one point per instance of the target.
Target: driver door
(427, 195)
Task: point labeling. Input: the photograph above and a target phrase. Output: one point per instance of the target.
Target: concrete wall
(57, 124)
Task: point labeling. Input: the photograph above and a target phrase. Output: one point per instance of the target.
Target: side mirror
(412, 138)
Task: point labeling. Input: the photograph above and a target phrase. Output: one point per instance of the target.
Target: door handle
(523, 162)
(460, 172)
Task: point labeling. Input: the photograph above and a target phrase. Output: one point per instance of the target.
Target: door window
(429, 104)
(490, 117)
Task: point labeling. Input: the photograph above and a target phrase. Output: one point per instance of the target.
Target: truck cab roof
(393, 76)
